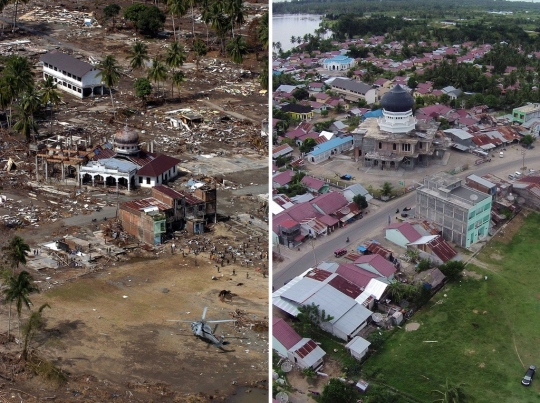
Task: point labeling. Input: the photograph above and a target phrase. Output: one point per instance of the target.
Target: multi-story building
(354, 90)
(463, 213)
(72, 75)
(525, 113)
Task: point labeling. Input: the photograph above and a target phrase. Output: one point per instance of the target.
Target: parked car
(501, 154)
(404, 215)
(517, 174)
(511, 177)
(346, 177)
(527, 379)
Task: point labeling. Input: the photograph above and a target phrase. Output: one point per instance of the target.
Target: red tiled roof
(442, 249)
(379, 263)
(284, 333)
(318, 274)
(407, 230)
(355, 274)
(345, 286)
(283, 178)
(306, 348)
(156, 167)
(330, 202)
(288, 223)
(147, 202)
(312, 183)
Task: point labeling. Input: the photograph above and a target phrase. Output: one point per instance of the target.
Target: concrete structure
(338, 63)
(288, 344)
(354, 90)
(72, 75)
(145, 219)
(461, 212)
(158, 171)
(525, 113)
(396, 140)
(297, 111)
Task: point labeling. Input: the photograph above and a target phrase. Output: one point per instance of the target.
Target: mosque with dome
(124, 163)
(396, 139)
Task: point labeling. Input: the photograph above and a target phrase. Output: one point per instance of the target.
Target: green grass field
(486, 332)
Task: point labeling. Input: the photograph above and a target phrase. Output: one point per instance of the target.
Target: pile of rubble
(59, 15)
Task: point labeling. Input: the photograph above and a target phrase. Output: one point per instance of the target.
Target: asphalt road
(323, 248)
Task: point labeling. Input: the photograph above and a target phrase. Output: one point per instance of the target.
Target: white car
(517, 174)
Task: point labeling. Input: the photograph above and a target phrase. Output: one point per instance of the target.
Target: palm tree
(35, 322)
(293, 39)
(17, 290)
(50, 95)
(178, 78)
(157, 72)
(18, 78)
(237, 49)
(16, 10)
(176, 7)
(110, 75)
(396, 290)
(206, 14)
(262, 31)
(15, 251)
(200, 50)
(138, 55)
(25, 124)
(237, 13)
(174, 59)
(220, 23)
(451, 393)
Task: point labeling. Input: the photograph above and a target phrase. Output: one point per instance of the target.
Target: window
(140, 179)
(394, 146)
(471, 215)
(420, 145)
(147, 181)
(487, 207)
(405, 147)
(380, 145)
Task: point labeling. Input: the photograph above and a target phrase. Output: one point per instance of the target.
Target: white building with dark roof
(71, 74)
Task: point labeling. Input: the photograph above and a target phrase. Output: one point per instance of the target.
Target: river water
(286, 25)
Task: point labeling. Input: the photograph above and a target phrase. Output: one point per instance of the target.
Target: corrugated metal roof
(376, 288)
(328, 145)
(353, 318)
(481, 181)
(355, 274)
(309, 351)
(148, 202)
(302, 290)
(345, 286)
(358, 344)
(333, 301)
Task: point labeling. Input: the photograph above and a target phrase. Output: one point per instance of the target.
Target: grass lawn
(487, 332)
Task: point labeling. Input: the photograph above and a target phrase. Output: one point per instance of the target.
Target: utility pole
(523, 154)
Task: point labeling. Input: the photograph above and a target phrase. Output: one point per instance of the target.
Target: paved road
(323, 248)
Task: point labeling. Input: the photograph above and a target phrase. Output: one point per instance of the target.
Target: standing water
(286, 25)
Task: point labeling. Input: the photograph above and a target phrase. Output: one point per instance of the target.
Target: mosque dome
(126, 141)
(397, 100)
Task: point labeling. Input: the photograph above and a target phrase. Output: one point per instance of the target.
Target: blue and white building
(329, 148)
(338, 63)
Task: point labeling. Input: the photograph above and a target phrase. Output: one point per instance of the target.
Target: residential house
(282, 179)
(303, 352)
(297, 111)
(338, 63)
(72, 75)
(315, 185)
(434, 248)
(526, 113)
(145, 219)
(283, 150)
(377, 265)
(158, 171)
(357, 189)
(461, 139)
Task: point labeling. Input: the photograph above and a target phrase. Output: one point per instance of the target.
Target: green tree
(110, 75)
(310, 318)
(176, 7)
(263, 76)
(17, 289)
(138, 55)
(423, 265)
(29, 329)
(452, 393)
(157, 72)
(452, 269)
(527, 140)
(219, 22)
(386, 189)
(15, 251)
(236, 13)
(307, 145)
(147, 19)
(413, 255)
(396, 290)
(50, 96)
(237, 48)
(262, 31)
(25, 124)
(18, 78)
(300, 94)
(337, 391)
(174, 59)
(178, 78)
(143, 88)
(360, 201)
(200, 50)
(110, 12)
(16, 10)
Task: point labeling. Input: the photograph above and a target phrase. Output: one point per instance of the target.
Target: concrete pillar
(37, 169)
(93, 177)
(46, 170)
(129, 183)
(117, 183)
(63, 171)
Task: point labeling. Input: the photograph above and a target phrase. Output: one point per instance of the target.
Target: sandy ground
(113, 326)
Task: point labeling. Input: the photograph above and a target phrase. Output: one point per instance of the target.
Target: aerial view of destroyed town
(405, 201)
(134, 201)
